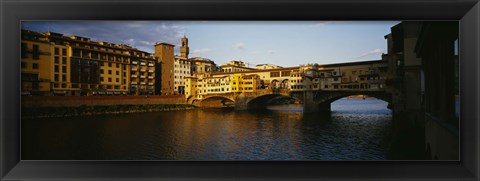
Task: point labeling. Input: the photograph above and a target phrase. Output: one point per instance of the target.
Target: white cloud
(376, 51)
(321, 23)
(200, 51)
(254, 52)
(272, 51)
(146, 43)
(239, 45)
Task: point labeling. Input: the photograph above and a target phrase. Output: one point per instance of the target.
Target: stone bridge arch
(216, 101)
(335, 95)
(262, 101)
(322, 102)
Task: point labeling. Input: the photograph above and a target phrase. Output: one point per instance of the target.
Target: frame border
(12, 12)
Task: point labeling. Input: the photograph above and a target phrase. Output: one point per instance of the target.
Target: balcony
(142, 76)
(151, 65)
(134, 62)
(133, 75)
(151, 71)
(142, 70)
(143, 63)
(150, 77)
(142, 83)
(134, 83)
(150, 83)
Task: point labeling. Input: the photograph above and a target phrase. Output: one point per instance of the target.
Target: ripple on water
(353, 132)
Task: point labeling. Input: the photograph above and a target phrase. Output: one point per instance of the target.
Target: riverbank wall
(75, 101)
(59, 106)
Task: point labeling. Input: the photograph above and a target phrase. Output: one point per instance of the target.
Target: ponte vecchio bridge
(315, 86)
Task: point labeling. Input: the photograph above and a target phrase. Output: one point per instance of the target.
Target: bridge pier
(241, 103)
(311, 106)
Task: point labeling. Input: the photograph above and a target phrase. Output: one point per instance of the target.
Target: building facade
(182, 68)
(355, 75)
(55, 64)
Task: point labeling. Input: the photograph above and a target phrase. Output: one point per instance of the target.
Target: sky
(283, 43)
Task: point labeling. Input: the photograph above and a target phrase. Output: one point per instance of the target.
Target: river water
(356, 130)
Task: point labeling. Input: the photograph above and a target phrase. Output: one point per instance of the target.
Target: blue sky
(284, 43)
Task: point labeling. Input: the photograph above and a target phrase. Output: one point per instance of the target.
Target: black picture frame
(12, 12)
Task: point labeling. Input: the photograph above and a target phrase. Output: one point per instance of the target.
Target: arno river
(356, 130)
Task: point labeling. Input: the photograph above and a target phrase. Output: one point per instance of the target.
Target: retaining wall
(75, 101)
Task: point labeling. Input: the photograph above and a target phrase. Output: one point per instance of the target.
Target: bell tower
(184, 48)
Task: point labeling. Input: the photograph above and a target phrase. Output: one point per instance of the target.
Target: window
(64, 69)
(64, 60)
(117, 80)
(101, 79)
(36, 52)
(57, 60)
(64, 78)
(117, 73)
(24, 50)
(35, 65)
(24, 65)
(109, 72)
(57, 51)
(56, 78)
(109, 79)
(56, 68)
(64, 51)
(274, 74)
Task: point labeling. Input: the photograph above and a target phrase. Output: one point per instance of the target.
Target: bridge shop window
(274, 74)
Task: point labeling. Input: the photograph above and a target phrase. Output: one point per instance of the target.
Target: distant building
(201, 65)
(267, 66)
(234, 66)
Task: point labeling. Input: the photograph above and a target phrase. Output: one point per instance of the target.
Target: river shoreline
(84, 110)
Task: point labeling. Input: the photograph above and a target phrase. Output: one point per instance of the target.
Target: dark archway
(328, 98)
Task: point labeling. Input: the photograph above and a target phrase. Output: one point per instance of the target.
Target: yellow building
(54, 64)
(36, 64)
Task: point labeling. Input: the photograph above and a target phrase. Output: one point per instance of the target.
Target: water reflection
(354, 131)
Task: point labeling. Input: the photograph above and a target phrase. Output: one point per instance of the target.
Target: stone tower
(164, 77)
(184, 48)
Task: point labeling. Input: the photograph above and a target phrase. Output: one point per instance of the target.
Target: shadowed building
(165, 75)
